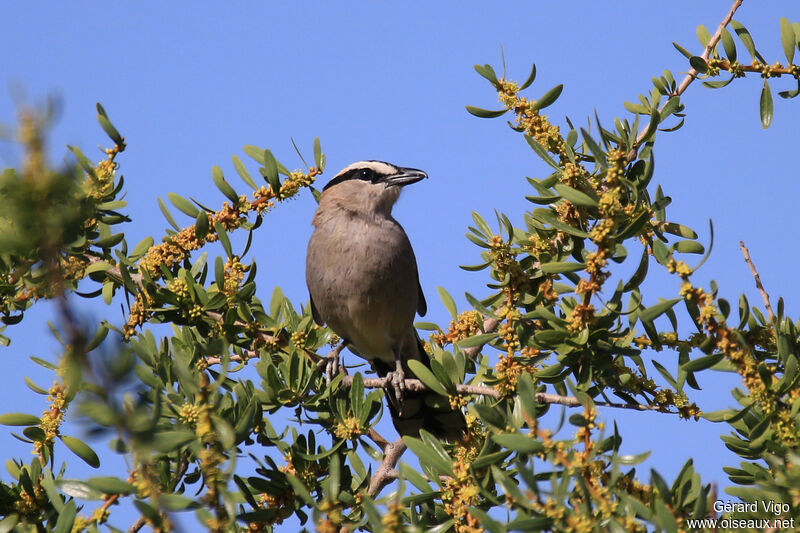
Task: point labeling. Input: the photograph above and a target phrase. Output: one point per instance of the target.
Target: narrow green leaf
(169, 441)
(575, 196)
(110, 485)
(654, 311)
(765, 106)
(688, 247)
(184, 206)
(222, 235)
(485, 113)
(223, 186)
(167, 215)
(81, 449)
(427, 455)
(425, 375)
(699, 64)
(66, 518)
(271, 171)
(701, 363)
(682, 50)
(558, 267)
(531, 77)
(728, 45)
(541, 152)
(19, 419)
(549, 97)
(448, 302)
(242, 171)
(518, 442)
(476, 340)
(317, 153)
(744, 35)
(110, 130)
(254, 152)
(201, 226)
(597, 152)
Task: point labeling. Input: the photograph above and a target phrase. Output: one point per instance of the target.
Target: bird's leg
(397, 381)
(332, 362)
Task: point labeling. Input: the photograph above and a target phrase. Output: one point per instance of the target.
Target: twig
(690, 76)
(386, 472)
(378, 439)
(415, 385)
(759, 286)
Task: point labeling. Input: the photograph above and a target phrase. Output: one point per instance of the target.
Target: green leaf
(254, 152)
(699, 64)
(184, 206)
(167, 215)
(66, 518)
(448, 302)
(744, 35)
(222, 235)
(597, 152)
(703, 36)
(77, 489)
(549, 97)
(558, 267)
(701, 363)
(682, 50)
(574, 196)
(110, 485)
(169, 441)
(476, 340)
(176, 502)
(317, 153)
(728, 45)
(531, 77)
(141, 248)
(765, 106)
(19, 419)
(242, 171)
(271, 172)
(541, 152)
(518, 442)
(688, 247)
(223, 186)
(429, 456)
(425, 375)
(487, 72)
(654, 311)
(485, 113)
(201, 226)
(110, 130)
(81, 449)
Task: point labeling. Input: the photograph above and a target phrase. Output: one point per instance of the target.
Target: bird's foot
(397, 382)
(332, 363)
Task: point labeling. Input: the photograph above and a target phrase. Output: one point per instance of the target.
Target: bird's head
(370, 185)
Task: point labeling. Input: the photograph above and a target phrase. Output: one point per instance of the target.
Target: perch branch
(415, 385)
(759, 286)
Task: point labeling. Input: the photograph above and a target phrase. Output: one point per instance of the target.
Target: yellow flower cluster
(348, 429)
(459, 494)
(467, 324)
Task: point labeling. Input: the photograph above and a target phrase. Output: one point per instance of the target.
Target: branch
(415, 385)
(690, 76)
(386, 472)
(759, 286)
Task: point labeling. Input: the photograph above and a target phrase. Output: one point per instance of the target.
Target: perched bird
(362, 277)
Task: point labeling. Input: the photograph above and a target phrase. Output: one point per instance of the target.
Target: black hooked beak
(405, 176)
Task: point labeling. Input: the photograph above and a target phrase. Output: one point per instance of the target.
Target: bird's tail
(424, 409)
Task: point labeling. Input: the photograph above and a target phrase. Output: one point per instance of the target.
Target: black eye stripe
(364, 174)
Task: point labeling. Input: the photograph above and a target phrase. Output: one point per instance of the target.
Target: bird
(363, 283)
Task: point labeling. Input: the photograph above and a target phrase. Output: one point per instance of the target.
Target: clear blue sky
(188, 84)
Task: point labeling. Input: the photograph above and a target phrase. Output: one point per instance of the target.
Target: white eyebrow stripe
(384, 169)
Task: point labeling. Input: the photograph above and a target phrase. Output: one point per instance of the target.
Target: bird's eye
(365, 174)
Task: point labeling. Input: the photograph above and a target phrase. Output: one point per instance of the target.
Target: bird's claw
(397, 382)
(332, 364)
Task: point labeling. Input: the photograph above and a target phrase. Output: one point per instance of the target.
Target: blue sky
(188, 84)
